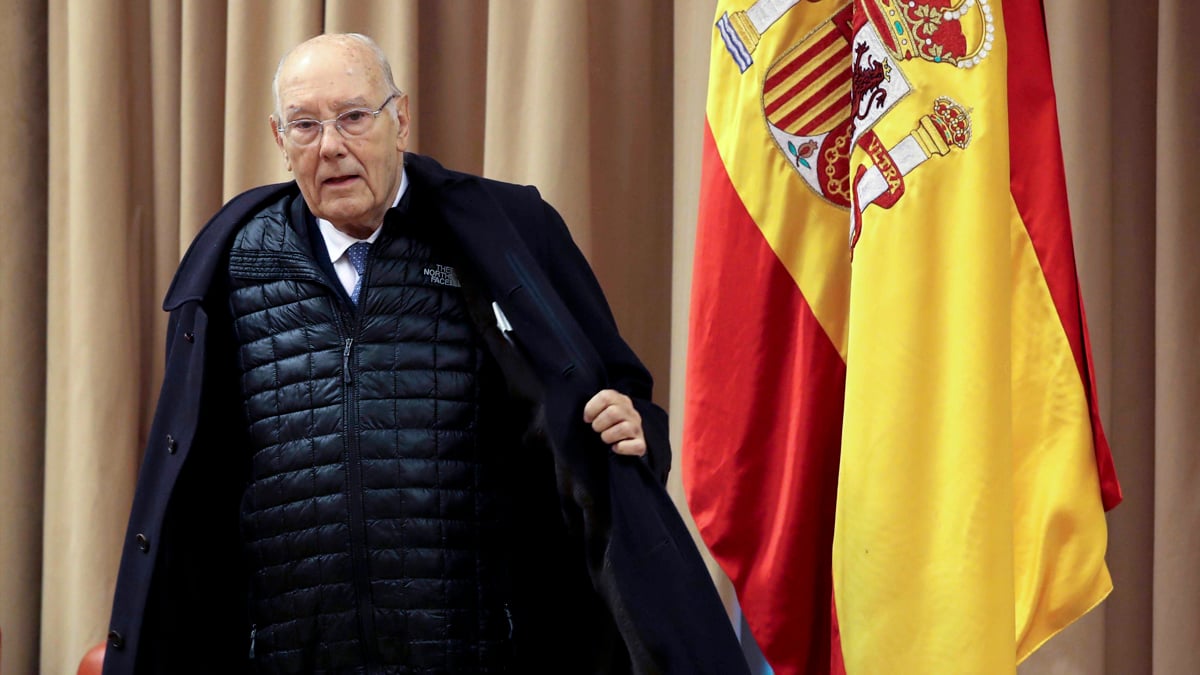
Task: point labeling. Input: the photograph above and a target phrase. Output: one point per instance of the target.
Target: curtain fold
(23, 134)
(258, 34)
(1176, 594)
(1130, 292)
(450, 109)
(629, 149)
(134, 120)
(200, 124)
(534, 50)
(99, 204)
(164, 132)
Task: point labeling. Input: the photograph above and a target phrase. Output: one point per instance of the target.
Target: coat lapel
(491, 245)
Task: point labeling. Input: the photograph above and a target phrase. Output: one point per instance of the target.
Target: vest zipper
(348, 325)
(354, 486)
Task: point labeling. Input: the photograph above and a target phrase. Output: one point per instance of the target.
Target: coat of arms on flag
(826, 92)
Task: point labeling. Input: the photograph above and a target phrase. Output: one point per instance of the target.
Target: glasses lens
(303, 132)
(355, 122)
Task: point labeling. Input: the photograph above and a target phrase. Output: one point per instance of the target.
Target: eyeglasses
(351, 123)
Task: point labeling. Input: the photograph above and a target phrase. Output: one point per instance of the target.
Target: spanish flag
(890, 405)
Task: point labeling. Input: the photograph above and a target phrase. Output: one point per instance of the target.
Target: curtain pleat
(628, 147)
(100, 206)
(258, 34)
(134, 120)
(23, 134)
(1130, 411)
(452, 80)
(201, 122)
(1176, 586)
(164, 132)
(538, 106)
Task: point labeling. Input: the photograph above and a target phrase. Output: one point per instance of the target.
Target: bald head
(356, 47)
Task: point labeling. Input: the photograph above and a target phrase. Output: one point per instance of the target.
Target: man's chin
(343, 208)
(349, 216)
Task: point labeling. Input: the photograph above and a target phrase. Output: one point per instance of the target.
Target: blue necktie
(358, 258)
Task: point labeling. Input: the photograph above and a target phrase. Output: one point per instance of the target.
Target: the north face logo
(442, 275)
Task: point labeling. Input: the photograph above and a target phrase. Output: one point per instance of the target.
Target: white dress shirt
(336, 242)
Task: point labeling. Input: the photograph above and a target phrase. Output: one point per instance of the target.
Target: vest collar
(198, 267)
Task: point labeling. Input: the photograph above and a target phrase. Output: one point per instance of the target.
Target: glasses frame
(337, 122)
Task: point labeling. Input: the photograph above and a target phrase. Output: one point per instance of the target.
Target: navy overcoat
(179, 584)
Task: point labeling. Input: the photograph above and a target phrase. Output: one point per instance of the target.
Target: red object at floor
(93, 661)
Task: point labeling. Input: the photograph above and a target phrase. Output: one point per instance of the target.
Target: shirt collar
(337, 241)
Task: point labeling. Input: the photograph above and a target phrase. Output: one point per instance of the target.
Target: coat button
(143, 543)
(116, 640)
(172, 444)
(189, 336)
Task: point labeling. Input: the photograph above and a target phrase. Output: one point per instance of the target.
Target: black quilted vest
(374, 518)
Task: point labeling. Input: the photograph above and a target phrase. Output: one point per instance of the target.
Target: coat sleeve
(576, 284)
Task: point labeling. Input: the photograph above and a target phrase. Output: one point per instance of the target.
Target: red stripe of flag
(762, 428)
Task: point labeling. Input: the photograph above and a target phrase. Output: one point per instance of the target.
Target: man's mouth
(338, 181)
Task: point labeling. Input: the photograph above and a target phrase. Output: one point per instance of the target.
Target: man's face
(349, 181)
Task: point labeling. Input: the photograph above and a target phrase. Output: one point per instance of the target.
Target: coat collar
(199, 265)
(487, 238)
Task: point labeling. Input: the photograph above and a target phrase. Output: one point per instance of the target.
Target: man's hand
(613, 416)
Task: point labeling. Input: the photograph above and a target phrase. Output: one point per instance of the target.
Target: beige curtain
(22, 333)
(130, 122)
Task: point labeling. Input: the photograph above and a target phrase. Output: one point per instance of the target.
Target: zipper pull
(253, 635)
(346, 360)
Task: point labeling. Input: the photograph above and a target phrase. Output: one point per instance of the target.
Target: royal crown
(959, 32)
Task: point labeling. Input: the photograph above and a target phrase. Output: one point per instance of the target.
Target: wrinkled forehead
(329, 74)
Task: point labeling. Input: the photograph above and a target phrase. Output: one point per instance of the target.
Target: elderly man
(380, 445)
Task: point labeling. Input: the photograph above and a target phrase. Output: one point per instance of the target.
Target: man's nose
(331, 140)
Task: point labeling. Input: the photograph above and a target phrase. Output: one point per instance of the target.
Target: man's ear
(279, 141)
(403, 122)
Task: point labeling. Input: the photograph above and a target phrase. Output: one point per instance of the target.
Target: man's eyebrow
(356, 102)
(345, 104)
(293, 110)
